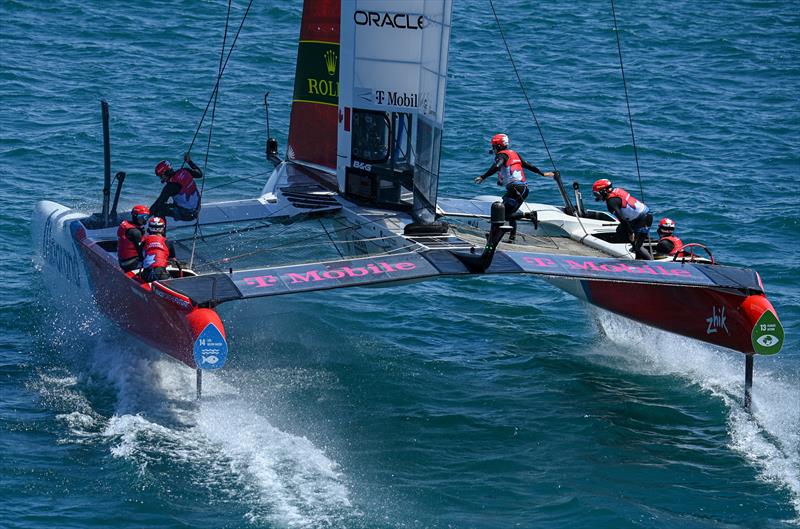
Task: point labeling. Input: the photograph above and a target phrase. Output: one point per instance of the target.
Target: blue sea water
(484, 403)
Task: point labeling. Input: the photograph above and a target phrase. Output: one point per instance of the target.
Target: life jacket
(631, 208)
(188, 197)
(512, 171)
(125, 247)
(677, 245)
(155, 251)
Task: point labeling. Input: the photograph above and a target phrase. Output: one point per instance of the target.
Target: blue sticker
(210, 348)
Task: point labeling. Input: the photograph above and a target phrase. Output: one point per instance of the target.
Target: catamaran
(361, 168)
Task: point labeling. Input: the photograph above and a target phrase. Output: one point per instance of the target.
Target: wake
(229, 450)
(768, 436)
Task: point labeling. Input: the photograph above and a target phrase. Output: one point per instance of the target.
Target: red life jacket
(125, 247)
(677, 244)
(512, 171)
(155, 251)
(188, 197)
(631, 208)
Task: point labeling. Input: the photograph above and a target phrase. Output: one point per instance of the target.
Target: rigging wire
(533, 114)
(221, 73)
(521, 85)
(306, 239)
(210, 129)
(229, 182)
(331, 238)
(627, 101)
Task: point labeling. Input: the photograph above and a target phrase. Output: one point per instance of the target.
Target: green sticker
(317, 76)
(767, 335)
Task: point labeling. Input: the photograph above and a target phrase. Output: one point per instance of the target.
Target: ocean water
(482, 403)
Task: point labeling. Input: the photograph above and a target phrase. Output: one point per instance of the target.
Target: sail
(312, 128)
(391, 102)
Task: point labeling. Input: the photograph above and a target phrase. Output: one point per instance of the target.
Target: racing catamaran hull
(375, 83)
(77, 268)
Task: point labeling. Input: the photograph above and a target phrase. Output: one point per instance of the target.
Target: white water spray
(768, 437)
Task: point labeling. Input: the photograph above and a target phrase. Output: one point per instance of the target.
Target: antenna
(271, 148)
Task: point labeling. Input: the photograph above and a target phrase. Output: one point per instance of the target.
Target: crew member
(129, 238)
(156, 250)
(634, 216)
(509, 167)
(668, 244)
(181, 187)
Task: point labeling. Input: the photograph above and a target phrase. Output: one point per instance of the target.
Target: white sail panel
(392, 80)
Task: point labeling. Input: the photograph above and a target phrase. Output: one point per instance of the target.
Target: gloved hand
(479, 180)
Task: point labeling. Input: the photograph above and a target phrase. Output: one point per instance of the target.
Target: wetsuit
(634, 219)
(184, 193)
(509, 165)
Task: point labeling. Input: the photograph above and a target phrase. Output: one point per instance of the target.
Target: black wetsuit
(161, 207)
(516, 192)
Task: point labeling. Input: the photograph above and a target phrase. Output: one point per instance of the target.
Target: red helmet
(666, 225)
(140, 214)
(499, 141)
(156, 226)
(600, 188)
(162, 168)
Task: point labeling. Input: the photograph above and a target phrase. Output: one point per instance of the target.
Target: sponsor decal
(363, 166)
(164, 294)
(618, 267)
(388, 20)
(330, 62)
(367, 270)
(396, 99)
(717, 321)
(767, 335)
(62, 259)
(317, 76)
(210, 348)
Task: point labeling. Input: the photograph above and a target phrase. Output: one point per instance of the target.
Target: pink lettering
(260, 281)
(575, 266)
(387, 267)
(355, 272)
(311, 275)
(630, 269)
(683, 273)
(610, 268)
(539, 261)
(587, 265)
(333, 274)
(662, 271)
(405, 266)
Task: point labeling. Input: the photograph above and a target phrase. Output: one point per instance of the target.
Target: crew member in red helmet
(180, 186)
(668, 243)
(129, 238)
(510, 169)
(634, 216)
(156, 250)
